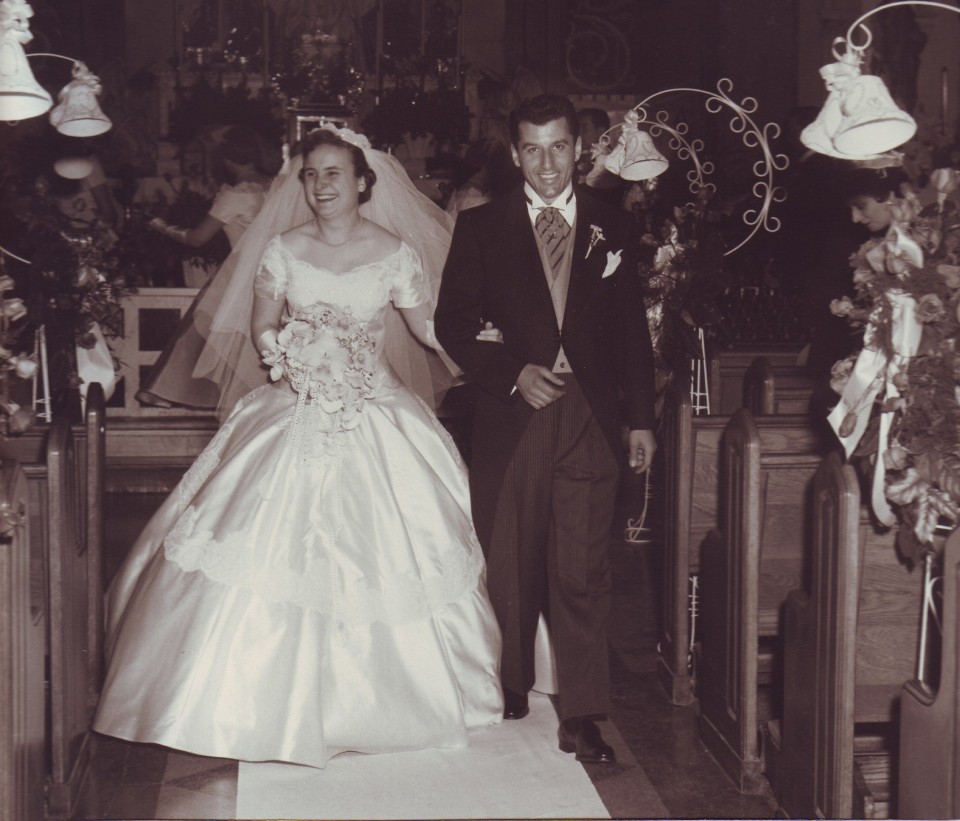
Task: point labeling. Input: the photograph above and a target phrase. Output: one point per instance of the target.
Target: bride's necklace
(342, 242)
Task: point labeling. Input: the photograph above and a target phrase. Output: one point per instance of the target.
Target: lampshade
(21, 96)
(73, 168)
(872, 122)
(78, 113)
(635, 156)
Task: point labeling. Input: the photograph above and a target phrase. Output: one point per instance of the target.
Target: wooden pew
(748, 567)
(690, 446)
(64, 468)
(929, 766)
(727, 369)
(785, 389)
(23, 631)
(849, 645)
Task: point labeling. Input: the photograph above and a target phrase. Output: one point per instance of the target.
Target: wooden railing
(62, 466)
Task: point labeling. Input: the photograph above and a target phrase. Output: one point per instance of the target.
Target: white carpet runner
(512, 770)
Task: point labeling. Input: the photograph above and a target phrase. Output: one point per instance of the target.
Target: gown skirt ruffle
(307, 590)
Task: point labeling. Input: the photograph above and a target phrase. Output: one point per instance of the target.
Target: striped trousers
(549, 552)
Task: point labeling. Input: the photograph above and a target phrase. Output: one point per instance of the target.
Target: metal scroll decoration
(742, 122)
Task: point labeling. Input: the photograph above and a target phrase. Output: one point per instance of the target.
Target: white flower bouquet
(329, 358)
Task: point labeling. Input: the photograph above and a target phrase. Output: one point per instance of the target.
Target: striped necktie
(553, 231)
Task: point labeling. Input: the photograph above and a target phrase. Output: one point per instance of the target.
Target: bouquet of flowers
(900, 396)
(328, 357)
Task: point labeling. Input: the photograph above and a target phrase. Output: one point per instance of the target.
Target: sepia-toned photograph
(479, 409)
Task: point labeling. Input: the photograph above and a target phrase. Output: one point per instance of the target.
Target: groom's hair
(541, 110)
(361, 167)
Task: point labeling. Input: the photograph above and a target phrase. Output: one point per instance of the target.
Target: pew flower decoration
(900, 396)
(328, 357)
(681, 271)
(13, 314)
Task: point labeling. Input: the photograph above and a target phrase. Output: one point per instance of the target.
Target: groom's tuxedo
(494, 273)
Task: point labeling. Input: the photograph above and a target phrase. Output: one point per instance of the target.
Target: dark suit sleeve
(461, 310)
(633, 349)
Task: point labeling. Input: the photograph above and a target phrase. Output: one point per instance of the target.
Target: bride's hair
(361, 167)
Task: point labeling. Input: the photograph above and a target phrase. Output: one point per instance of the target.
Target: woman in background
(235, 207)
(237, 202)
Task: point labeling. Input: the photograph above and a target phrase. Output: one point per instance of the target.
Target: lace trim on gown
(394, 599)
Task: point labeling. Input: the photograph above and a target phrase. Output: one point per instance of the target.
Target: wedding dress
(314, 584)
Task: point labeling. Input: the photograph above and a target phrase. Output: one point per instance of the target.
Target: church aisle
(663, 770)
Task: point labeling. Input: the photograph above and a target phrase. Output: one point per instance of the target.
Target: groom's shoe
(514, 704)
(582, 736)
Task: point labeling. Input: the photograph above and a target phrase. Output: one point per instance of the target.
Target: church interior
(783, 629)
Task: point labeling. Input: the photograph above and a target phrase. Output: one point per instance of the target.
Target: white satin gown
(307, 589)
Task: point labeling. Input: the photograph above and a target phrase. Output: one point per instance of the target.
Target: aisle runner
(512, 770)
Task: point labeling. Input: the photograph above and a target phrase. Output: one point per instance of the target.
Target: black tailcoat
(494, 274)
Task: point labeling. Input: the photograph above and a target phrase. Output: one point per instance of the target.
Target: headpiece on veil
(222, 313)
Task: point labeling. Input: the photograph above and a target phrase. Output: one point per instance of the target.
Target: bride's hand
(267, 341)
(490, 334)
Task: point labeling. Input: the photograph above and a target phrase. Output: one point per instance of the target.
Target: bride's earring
(362, 186)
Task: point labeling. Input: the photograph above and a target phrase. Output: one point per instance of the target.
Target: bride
(314, 584)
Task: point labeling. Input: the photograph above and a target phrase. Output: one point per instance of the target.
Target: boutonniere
(596, 235)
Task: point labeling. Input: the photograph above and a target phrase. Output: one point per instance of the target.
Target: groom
(554, 270)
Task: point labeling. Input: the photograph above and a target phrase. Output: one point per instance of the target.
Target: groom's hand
(539, 386)
(643, 445)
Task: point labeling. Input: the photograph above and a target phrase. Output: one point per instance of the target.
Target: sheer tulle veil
(222, 314)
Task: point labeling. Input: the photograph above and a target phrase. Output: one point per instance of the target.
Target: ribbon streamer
(96, 365)
(872, 373)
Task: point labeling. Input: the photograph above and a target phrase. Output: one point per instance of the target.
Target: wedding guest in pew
(868, 195)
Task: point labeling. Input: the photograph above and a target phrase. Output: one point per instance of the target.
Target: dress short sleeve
(273, 273)
(409, 286)
(229, 204)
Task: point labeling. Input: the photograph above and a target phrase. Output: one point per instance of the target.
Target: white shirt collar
(566, 202)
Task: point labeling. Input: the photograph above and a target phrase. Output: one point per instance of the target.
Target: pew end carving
(749, 565)
(769, 390)
(23, 629)
(850, 642)
(929, 765)
(690, 497)
(63, 466)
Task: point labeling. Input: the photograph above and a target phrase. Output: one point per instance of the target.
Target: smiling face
(546, 155)
(866, 210)
(330, 181)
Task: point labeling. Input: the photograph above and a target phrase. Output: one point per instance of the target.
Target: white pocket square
(613, 262)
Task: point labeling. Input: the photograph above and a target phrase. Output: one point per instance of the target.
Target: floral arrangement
(682, 274)
(13, 315)
(319, 68)
(73, 288)
(329, 357)
(900, 397)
